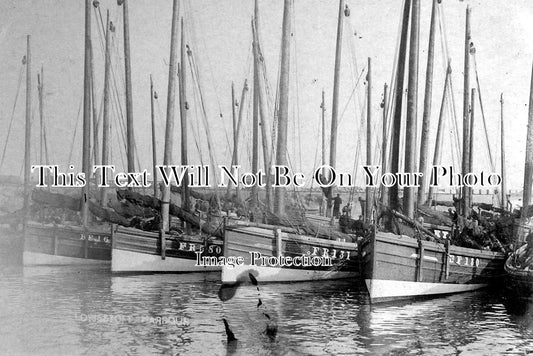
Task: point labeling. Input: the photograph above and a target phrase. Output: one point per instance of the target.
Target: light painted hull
(383, 290)
(244, 241)
(129, 261)
(40, 259)
(277, 274)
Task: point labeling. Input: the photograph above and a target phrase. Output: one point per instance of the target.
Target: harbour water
(87, 310)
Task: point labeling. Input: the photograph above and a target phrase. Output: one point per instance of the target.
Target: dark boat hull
(46, 244)
(393, 269)
(519, 282)
(244, 241)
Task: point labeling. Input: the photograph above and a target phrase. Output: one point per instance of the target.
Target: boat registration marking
(95, 238)
(464, 260)
(330, 253)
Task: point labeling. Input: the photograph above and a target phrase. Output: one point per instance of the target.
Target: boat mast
(471, 143)
(129, 102)
(283, 113)
(183, 115)
(440, 130)
(27, 138)
(167, 159)
(96, 149)
(466, 115)
(262, 110)
(504, 180)
(412, 105)
(255, 121)
(335, 103)
(528, 167)
(368, 207)
(86, 153)
(154, 150)
(40, 88)
(105, 119)
(384, 155)
(426, 116)
(237, 133)
(397, 118)
(234, 125)
(323, 109)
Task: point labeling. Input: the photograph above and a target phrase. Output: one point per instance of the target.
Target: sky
(219, 34)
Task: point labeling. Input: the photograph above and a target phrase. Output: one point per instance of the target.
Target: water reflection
(60, 310)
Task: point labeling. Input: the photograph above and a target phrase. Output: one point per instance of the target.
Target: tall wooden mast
(504, 176)
(469, 190)
(169, 137)
(398, 98)
(440, 130)
(106, 127)
(27, 138)
(412, 105)
(40, 86)
(129, 102)
(323, 110)
(262, 110)
(384, 155)
(465, 206)
(283, 113)
(426, 116)
(234, 126)
(96, 148)
(86, 158)
(323, 210)
(154, 144)
(237, 133)
(528, 167)
(368, 207)
(335, 102)
(255, 122)
(182, 74)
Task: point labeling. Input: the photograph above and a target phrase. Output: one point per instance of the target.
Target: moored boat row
(394, 264)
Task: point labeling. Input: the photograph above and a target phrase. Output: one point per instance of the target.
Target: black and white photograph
(266, 177)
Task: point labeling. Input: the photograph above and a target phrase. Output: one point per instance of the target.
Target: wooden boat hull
(136, 251)
(519, 282)
(244, 241)
(393, 269)
(46, 244)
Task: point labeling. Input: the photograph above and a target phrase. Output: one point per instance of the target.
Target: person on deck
(337, 201)
(347, 210)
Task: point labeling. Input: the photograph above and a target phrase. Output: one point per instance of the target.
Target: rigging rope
(12, 115)
(452, 106)
(492, 165)
(193, 38)
(74, 136)
(196, 79)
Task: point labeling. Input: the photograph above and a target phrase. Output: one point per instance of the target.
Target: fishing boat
(519, 265)
(64, 242)
(277, 252)
(170, 250)
(275, 256)
(401, 258)
(399, 267)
